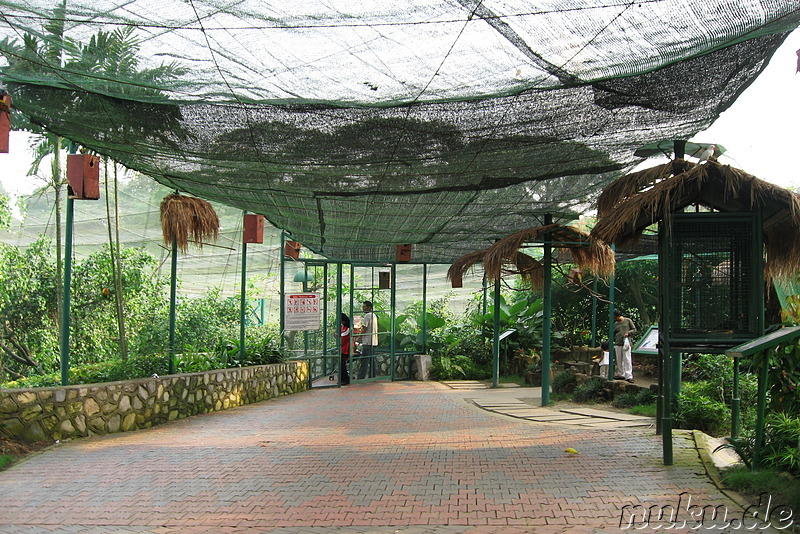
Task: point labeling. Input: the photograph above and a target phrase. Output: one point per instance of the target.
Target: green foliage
(5, 211)
(647, 410)
(445, 368)
(5, 460)
(564, 382)
(201, 322)
(458, 367)
(700, 412)
(629, 399)
(137, 366)
(196, 362)
(782, 442)
(784, 376)
(591, 390)
(410, 332)
(783, 490)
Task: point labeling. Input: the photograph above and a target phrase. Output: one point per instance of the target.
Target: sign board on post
(649, 342)
(302, 311)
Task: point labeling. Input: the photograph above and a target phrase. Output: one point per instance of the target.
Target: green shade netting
(359, 126)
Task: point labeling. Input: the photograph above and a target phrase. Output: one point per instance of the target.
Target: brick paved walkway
(373, 458)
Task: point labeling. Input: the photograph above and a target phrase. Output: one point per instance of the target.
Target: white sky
(759, 131)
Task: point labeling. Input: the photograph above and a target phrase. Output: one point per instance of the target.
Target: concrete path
(403, 457)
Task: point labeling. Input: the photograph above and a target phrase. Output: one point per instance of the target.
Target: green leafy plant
(564, 382)
(697, 411)
(445, 368)
(629, 399)
(591, 390)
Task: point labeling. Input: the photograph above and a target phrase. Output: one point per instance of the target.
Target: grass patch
(5, 460)
(512, 379)
(784, 490)
(647, 410)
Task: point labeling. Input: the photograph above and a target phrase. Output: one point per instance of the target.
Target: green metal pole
(594, 314)
(547, 295)
(485, 294)
(612, 356)
(735, 402)
(66, 293)
(173, 298)
(283, 292)
(424, 308)
(339, 321)
(243, 297)
(665, 326)
(677, 365)
(305, 332)
(761, 409)
(325, 315)
(392, 326)
(496, 339)
(666, 422)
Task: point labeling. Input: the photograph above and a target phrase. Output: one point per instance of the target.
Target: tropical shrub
(564, 382)
(696, 411)
(629, 399)
(591, 390)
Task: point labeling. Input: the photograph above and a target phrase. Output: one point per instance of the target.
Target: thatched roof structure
(186, 219)
(635, 201)
(504, 256)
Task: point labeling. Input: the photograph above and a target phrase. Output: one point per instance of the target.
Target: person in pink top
(344, 352)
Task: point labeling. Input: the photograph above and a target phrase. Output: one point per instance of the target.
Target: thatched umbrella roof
(504, 256)
(641, 199)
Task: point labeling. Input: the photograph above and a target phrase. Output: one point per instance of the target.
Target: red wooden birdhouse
(253, 228)
(5, 121)
(403, 253)
(83, 175)
(292, 249)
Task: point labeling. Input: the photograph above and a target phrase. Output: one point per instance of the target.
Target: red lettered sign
(303, 311)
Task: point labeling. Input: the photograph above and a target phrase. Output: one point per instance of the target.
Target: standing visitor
(344, 352)
(369, 340)
(623, 328)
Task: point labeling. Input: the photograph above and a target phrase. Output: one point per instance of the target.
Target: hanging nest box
(632, 203)
(504, 256)
(188, 219)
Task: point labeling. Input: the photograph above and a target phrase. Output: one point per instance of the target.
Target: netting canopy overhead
(356, 126)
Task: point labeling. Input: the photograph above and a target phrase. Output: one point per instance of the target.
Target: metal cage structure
(712, 279)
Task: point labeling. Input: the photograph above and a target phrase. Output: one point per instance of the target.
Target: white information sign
(302, 311)
(649, 343)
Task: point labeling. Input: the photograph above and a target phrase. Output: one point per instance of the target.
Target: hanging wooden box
(83, 175)
(457, 282)
(5, 124)
(384, 280)
(292, 249)
(253, 228)
(403, 253)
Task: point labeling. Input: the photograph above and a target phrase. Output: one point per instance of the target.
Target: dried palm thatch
(630, 184)
(717, 187)
(463, 264)
(504, 256)
(187, 219)
(522, 264)
(587, 253)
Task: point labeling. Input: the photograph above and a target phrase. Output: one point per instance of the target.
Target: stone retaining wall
(50, 414)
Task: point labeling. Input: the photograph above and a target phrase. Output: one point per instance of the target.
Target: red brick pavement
(379, 457)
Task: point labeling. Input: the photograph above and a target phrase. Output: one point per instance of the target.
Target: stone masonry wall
(49, 414)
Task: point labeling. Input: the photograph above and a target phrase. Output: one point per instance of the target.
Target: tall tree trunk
(116, 261)
(57, 187)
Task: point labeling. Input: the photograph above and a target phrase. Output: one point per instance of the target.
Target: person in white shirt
(369, 340)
